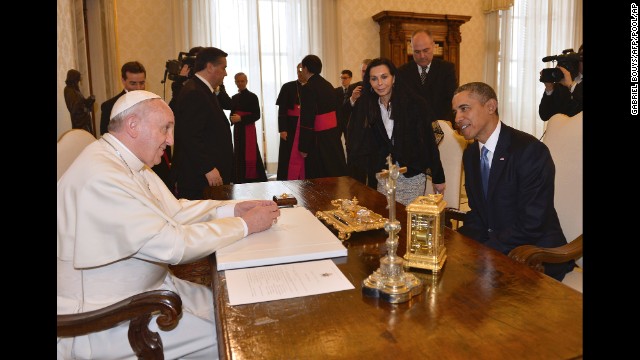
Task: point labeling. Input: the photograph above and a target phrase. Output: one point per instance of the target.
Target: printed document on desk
(268, 283)
(297, 236)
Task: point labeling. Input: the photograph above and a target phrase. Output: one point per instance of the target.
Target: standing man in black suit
(342, 94)
(434, 79)
(320, 143)
(203, 154)
(134, 77)
(513, 204)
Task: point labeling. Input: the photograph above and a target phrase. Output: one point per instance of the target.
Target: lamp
(425, 235)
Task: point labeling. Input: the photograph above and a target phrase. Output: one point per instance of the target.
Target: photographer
(185, 73)
(565, 95)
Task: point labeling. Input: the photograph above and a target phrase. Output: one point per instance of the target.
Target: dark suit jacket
(202, 137)
(519, 206)
(340, 100)
(562, 101)
(438, 87)
(105, 109)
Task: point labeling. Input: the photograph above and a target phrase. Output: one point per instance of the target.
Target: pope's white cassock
(118, 229)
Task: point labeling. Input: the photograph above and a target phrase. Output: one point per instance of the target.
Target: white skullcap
(129, 99)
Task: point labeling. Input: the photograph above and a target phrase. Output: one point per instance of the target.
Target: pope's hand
(258, 214)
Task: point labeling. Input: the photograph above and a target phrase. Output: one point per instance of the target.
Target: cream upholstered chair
(451, 148)
(563, 136)
(70, 145)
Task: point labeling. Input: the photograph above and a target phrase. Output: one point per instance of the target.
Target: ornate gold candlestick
(389, 281)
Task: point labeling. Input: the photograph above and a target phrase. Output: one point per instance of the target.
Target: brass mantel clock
(425, 233)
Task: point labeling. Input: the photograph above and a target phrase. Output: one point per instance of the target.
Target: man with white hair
(119, 227)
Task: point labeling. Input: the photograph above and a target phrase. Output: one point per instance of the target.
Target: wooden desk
(482, 305)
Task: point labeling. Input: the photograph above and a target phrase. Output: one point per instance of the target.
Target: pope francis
(119, 227)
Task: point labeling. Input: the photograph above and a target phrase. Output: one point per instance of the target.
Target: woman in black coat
(389, 119)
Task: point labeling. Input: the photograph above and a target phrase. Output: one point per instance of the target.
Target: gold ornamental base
(428, 262)
(391, 283)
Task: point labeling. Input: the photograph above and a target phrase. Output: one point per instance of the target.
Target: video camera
(568, 60)
(173, 67)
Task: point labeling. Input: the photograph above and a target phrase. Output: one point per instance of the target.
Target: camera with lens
(173, 67)
(568, 60)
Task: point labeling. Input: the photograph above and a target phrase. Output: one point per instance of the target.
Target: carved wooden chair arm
(451, 214)
(138, 309)
(534, 256)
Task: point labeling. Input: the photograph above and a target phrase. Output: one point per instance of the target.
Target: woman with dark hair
(389, 119)
(79, 107)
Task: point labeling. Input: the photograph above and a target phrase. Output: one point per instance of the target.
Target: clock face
(422, 234)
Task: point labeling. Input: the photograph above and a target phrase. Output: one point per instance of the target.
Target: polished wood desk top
(482, 305)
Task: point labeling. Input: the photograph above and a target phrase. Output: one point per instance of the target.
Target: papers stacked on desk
(297, 236)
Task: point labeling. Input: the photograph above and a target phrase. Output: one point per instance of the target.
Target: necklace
(144, 179)
(387, 105)
(119, 154)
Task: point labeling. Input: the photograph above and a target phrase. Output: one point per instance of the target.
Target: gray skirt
(407, 189)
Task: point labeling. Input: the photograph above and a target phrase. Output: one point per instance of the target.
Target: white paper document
(267, 283)
(297, 236)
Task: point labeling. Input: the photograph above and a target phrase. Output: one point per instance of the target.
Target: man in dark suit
(133, 76)
(439, 79)
(203, 154)
(320, 142)
(342, 94)
(513, 204)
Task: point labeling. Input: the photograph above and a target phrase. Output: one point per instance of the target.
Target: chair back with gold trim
(451, 148)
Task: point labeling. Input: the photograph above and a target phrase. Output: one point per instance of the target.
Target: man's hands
(213, 177)
(235, 118)
(567, 80)
(439, 188)
(185, 70)
(356, 94)
(258, 214)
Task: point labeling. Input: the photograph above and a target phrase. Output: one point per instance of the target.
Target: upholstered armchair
(563, 136)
